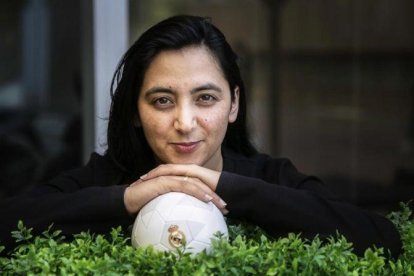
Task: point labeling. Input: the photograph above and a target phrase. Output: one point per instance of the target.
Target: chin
(195, 161)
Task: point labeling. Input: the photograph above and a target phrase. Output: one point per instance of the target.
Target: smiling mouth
(185, 147)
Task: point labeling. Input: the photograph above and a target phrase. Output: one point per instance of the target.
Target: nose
(185, 120)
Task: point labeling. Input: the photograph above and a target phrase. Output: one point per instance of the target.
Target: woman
(178, 123)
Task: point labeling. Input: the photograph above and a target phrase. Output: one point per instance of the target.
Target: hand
(170, 178)
(206, 176)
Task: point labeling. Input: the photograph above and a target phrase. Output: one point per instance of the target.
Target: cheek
(153, 124)
(215, 122)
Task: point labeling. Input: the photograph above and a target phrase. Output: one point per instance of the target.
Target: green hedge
(248, 251)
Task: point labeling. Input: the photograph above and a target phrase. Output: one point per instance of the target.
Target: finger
(136, 182)
(170, 169)
(224, 211)
(195, 187)
(209, 177)
(189, 186)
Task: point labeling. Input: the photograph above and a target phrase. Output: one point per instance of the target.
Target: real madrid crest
(176, 237)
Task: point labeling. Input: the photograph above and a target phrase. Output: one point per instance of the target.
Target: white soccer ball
(178, 221)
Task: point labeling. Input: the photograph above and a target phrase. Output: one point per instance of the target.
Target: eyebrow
(207, 86)
(161, 89)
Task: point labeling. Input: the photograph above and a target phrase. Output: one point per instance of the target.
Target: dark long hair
(126, 142)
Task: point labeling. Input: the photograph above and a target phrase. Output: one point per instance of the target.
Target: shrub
(248, 251)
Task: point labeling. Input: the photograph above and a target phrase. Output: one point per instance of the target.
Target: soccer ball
(177, 221)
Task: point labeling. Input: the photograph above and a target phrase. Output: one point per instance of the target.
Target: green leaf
(248, 250)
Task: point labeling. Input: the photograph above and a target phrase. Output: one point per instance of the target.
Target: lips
(186, 147)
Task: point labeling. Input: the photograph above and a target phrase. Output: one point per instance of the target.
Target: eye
(162, 102)
(206, 99)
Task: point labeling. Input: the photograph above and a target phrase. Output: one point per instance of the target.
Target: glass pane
(40, 91)
(329, 84)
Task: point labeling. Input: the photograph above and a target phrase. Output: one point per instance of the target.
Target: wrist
(128, 202)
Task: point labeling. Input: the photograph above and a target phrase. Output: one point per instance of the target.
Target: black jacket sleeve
(281, 200)
(89, 198)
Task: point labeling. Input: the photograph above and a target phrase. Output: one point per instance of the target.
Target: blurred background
(330, 85)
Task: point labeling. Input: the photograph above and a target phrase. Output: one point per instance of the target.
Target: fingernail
(143, 176)
(209, 197)
(223, 203)
(225, 211)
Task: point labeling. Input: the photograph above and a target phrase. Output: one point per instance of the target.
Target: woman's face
(184, 107)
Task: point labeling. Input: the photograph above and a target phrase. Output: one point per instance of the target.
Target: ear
(234, 106)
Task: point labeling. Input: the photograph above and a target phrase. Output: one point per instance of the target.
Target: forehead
(192, 59)
(189, 51)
